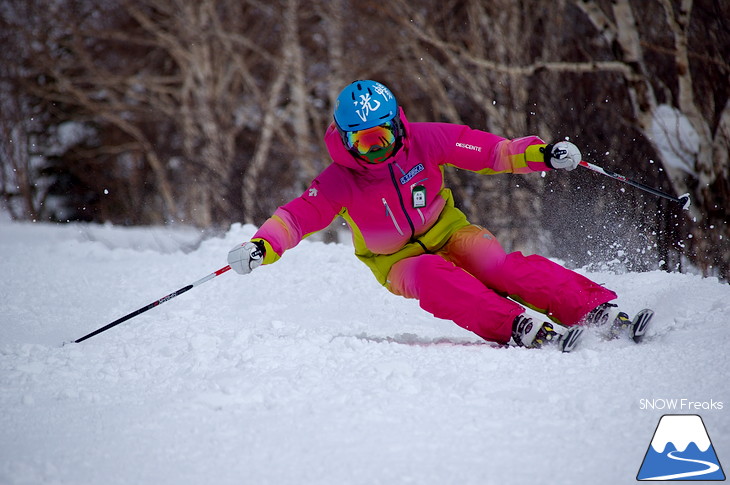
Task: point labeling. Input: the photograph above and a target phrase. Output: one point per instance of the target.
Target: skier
(387, 183)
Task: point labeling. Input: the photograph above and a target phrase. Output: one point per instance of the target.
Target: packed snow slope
(308, 372)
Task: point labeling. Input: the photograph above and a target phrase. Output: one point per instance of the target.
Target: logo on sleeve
(467, 146)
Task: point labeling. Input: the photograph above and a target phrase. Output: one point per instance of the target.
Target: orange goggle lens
(371, 139)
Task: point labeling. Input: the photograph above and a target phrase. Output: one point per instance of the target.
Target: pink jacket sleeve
(312, 211)
(479, 151)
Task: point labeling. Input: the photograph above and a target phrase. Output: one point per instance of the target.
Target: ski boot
(608, 313)
(531, 334)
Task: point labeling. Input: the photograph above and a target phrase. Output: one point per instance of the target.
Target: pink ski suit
(406, 229)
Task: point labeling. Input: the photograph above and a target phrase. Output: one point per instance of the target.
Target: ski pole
(682, 199)
(155, 303)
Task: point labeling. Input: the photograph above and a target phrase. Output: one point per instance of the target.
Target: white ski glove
(246, 257)
(562, 155)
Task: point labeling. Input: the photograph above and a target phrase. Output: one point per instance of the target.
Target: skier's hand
(562, 155)
(246, 257)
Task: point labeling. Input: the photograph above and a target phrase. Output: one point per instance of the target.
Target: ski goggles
(371, 139)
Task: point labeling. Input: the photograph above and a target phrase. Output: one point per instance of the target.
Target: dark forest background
(208, 112)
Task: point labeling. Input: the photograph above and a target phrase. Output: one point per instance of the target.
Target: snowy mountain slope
(307, 371)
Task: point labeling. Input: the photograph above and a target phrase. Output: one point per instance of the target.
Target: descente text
(469, 147)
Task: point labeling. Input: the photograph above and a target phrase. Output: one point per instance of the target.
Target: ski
(570, 336)
(570, 339)
(639, 324)
(635, 328)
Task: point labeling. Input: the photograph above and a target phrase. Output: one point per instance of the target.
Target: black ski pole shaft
(155, 303)
(683, 199)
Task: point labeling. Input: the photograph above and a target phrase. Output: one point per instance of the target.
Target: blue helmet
(363, 105)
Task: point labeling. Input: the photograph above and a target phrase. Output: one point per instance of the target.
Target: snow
(308, 372)
(68, 134)
(675, 138)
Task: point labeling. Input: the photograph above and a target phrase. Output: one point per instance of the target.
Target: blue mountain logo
(681, 450)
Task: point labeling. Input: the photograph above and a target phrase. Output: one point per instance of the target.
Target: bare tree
(213, 111)
(16, 173)
(467, 57)
(688, 127)
(176, 78)
(524, 64)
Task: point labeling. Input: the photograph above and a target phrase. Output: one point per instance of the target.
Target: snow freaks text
(680, 404)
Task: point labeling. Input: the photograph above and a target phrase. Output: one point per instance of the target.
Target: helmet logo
(368, 104)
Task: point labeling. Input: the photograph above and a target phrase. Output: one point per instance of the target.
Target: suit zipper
(403, 205)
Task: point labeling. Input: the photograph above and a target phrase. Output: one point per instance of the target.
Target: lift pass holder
(419, 196)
